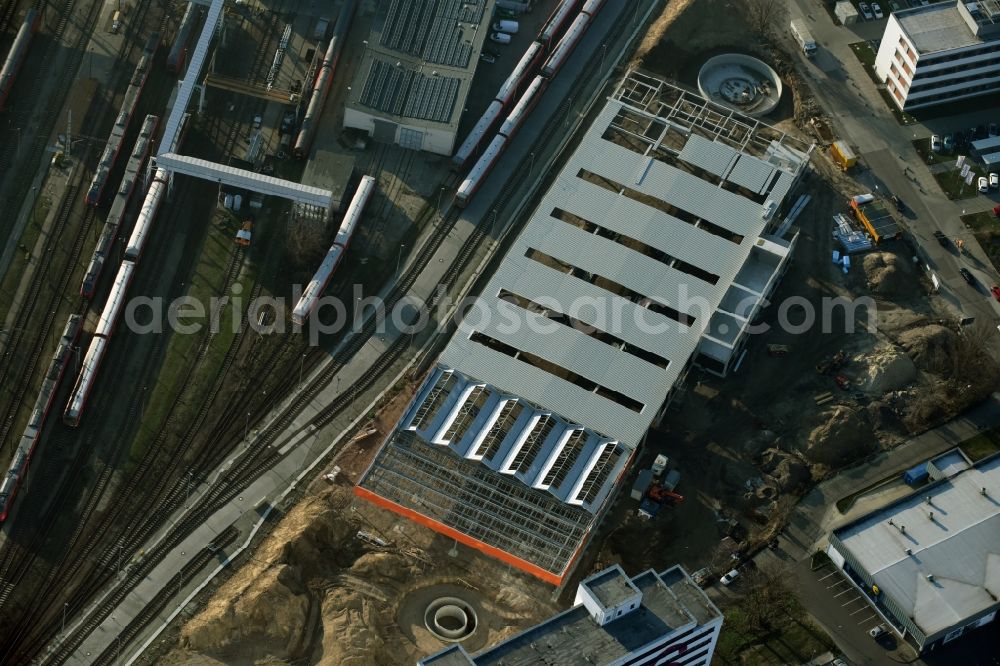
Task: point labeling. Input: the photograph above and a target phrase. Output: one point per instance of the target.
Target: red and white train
(117, 137)
(19, 50)
(324, 79)
(310, 297)
(32, 433)
(557, 56)
(178, 50)
(133, 174)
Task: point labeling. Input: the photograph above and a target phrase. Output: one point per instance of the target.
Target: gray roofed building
(933, 555)
(667, 617)
(653, 249)
(416, 71)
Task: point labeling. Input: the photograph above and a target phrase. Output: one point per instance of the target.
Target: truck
(842, 155)
(803, 37)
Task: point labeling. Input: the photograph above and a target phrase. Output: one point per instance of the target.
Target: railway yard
(195, 372)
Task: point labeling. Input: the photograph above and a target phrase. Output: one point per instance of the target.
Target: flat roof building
(930, 562)
(416, 71)
(653, 249)
(940, 53)
(650, 618)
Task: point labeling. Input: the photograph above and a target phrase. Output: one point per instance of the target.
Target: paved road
(859, 114)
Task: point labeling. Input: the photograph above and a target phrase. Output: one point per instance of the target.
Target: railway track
(262, 454)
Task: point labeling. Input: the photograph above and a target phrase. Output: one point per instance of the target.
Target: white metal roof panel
(713, 157)
(751, 173)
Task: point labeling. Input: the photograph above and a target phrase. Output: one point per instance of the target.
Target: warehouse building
(651, 618)
(940, 53)
(416, 70)
(653, 250)
(929, 563)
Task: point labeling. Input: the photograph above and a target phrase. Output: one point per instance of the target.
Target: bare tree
(767, 598)
(765, 15)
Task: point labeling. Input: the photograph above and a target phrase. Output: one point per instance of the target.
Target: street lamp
(246, 428)
(399, 256)
(302, 362)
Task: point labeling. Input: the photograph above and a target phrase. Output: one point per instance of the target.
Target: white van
(509, 27)
(500, 37)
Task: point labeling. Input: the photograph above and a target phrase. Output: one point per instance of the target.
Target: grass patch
(986, 229)
(982, 445)
(207, 281)
(923, 148)
(953, 184)
(792, 640)
(865, 54)
(19, 260)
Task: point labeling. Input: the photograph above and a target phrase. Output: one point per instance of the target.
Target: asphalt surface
(861, 116)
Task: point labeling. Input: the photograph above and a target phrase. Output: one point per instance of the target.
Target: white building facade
(941, 53)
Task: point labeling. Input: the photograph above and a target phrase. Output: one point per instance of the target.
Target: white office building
(653, 618)
(940, 53)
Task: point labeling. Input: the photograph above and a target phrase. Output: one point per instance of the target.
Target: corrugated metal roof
(751, 173)
(438, 31)
(711, 156)
(401, 91)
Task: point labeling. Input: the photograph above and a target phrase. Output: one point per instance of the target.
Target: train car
(116, 301)
(566, 45)
(479, 172)
(120, 128)
(524, 69)
(32, 433)
(85, 381)
(178, 50)
(18, 52)
(310, 297)
(592, 7)
(556, 22)
(524, 106)
(147, 214)
(133, 174)
(480, 130)
(324, 80)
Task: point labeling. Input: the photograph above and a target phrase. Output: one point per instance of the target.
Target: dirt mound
(842, 435)
(886, 368)
(933, 348)
(888, 274)
(787, 471)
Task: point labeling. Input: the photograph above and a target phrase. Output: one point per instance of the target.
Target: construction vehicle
(832, 364)
(657, 497)
(243, 235)
(842, 382)
(842, 155)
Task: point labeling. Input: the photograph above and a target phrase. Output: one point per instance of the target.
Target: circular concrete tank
(450, 619)
(740, 82)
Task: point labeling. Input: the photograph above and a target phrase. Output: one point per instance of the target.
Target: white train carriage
(566, 45)
(116, 301)
(85, 381)
(592, 7)
(16, 55)
(524, 68)
(144, 223)
(178, 51)
(524, 106)
(557, 21)
(479, 131)
(32, 432)
(479, 171)
(310, 297)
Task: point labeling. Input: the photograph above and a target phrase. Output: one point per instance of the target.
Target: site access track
(362, 368)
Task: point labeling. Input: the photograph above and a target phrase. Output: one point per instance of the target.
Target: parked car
(877, 631)
(948, 143)
(996, 211)
(866, 12)
(995, 290)
(877, 10)
(984, 185)
(485, 56)
(967, 276)
(936, 144)
(730, 577)
(994, 180)
(941, 238)
(500, 37)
